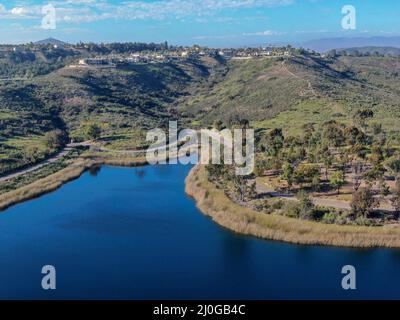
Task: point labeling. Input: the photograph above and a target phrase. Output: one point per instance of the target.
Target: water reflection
(114, 234)
(140, 173)
(94, 170)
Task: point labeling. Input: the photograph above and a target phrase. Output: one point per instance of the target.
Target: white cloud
(266, 33)
(19, 11)
(186, 8)
(77, 11)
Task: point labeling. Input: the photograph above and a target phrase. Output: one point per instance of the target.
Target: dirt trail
(69, 148)
(322, 202)
(309, 85)
(46, 162)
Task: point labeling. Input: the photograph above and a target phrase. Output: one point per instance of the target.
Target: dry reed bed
(74, 171)
(114, 159)
(44, 185)
(214, 203)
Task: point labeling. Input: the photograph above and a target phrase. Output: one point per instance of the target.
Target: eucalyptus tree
(363, 202)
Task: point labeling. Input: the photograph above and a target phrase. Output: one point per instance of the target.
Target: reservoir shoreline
(58, 179)
(215, 204)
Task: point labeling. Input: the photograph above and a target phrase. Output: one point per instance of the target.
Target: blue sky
(215, 23)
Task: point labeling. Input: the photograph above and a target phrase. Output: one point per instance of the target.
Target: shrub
(363, 221)
(278, 205)
(363, 202)
(93, 131)
(292, 210)
(263, 205)
(306, 206)
(341, 218)
(329, 218)
(55, 139)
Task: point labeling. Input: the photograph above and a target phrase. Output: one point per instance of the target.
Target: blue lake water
(132, 233)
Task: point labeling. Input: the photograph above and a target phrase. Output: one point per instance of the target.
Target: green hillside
(43, 93)
(289, 92)
(122, 100)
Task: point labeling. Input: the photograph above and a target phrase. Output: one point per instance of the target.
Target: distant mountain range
(381, 51)
(50, 41)
(324, 45)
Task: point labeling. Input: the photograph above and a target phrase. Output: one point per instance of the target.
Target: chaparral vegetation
(327, 134)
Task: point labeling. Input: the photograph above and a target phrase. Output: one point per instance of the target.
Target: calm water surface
(132, 233)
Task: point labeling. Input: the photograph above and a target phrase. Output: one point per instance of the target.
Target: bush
(341, 219)
(292, 210)
(93, 131)
(363, 202)
(262, 205)
(278, 205)
(329, 218)
(362, 221)
(55, 139)
(306, 206)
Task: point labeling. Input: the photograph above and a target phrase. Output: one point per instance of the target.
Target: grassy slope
(254, 88)
(288, 92)
(343, 86)
(127, 99)
(271, 92)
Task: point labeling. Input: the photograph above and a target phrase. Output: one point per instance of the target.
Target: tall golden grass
(115, 159)
(214, 203)
(74, 171)
(45, 185)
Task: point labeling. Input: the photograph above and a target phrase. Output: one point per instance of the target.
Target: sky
(214, 23)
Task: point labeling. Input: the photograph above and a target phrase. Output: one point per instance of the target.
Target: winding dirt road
(46, 162)
(322, 202)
